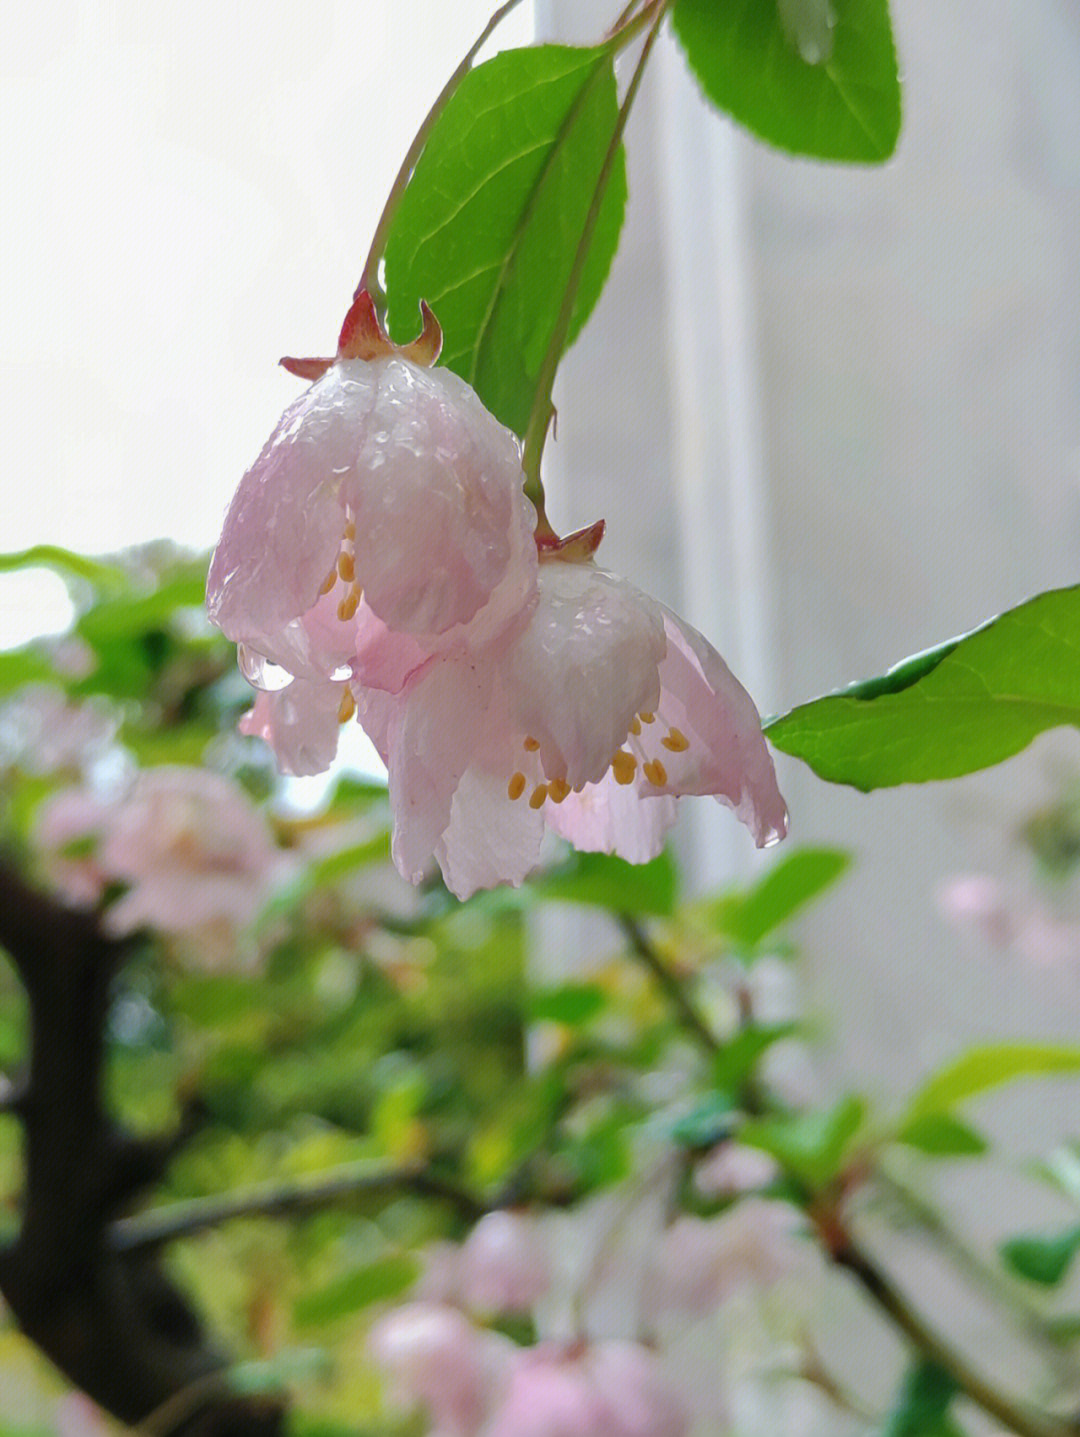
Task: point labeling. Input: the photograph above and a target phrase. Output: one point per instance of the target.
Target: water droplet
(808, 26)
(259, 671)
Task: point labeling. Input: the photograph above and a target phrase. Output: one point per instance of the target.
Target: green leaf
(790, 884)
(780, 68)
(487, 229)
(573, 1004)
(921, 1408)
(280, 1372)
(1044, 1260)
(99, 572)
(810, 1146)
(605, 881)
(942, 1136)
(965, 705)
(737, 1059)
(24, 666)
(385, 1277)
(987, 1067)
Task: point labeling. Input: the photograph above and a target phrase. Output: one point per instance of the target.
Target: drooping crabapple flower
(439, 1360)
(590, 718)
(387, 481)
(604, 1389)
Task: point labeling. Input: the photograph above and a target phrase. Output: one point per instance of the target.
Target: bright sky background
(187, 191)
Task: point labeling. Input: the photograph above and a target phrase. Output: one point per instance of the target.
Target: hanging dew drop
(259, 671)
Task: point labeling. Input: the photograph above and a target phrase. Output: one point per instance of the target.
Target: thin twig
(153, 1229)
(369, 279)
(541, 413)
(680, 1000)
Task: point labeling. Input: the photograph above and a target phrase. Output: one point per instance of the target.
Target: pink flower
(503, 1264)
(439, 1360)
(193, 849)
(701, 1262)
(591, 717)
(386, 480)
(608, 1389)
(732, 1168)
(977, 902)
(190, 846)
(43, 733)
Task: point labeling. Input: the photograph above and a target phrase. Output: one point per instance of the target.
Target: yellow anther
(516, 787)
(646, 718)
(655, 772)
(349, 604)
(531, 744)
(624, 766)
(635, 725)
(346, 566)
(676, 741)
(538, 795)
(558, 788)
(350, 530)
(347, 707)
(329, 582)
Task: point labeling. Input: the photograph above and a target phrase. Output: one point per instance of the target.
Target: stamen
(624, 766)
(635, 725)
(349, 604)
(655, 772)
(676, 741)
(516, 787)
(646, 718)
(346, 566)
(350, 529)
(347, 707)
(531, 744)
(538, 795)
(329, 582)
(558, 788)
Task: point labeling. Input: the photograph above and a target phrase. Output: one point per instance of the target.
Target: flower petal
(427, 737)
(607, 817)
(586, 663)
(490, 839)
(727, 754)
(300, 723)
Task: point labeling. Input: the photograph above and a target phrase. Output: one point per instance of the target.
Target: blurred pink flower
(436, 1358)
(591, 719)
(67, 830)
(607, 1389)
(731, 1169)
(386, 480)
(977, 902)
(701, 1262)
(189, 844)
(503, 1266)
(43, 733)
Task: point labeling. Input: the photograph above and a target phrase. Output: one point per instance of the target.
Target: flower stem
(542, 410)
(369, 279)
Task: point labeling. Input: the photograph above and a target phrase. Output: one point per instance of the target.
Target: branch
(841, 1247)
(114, 1324)
(1024, 1421)
(669, 981)
(152, 1230)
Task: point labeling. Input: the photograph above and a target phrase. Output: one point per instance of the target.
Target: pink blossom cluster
(41, 732)
(380, 558)
(982, 906)
(189, 847)
(473, 1382)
